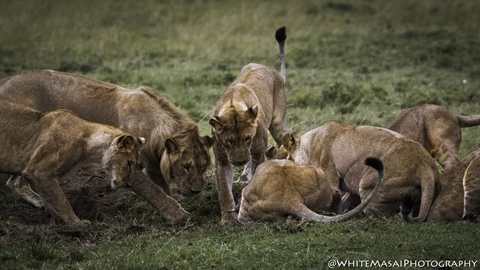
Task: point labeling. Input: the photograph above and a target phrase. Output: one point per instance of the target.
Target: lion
(252, 104)
(281, 188)
(339, 149)
(43, 147)
(436, 129)
(459, 197)
(174, 152)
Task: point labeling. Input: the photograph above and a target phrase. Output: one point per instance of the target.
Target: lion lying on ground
(339, 149)
(174, 152)
(459, 197)
(434, 127)
(281, 188)
(44, 147)
(253, 104)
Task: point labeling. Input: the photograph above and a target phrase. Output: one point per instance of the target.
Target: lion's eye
(186, 167)
(230, 142)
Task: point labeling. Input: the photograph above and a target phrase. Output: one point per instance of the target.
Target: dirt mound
(112, 213)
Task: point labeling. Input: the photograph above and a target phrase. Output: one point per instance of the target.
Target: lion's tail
(428, 195)
(281, 36)
(468, 120)
(308, 214)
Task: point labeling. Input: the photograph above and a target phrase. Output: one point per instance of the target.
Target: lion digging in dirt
(459, 197)
(252, 104)
(281, 188)
(339, 149)
(174, 152)
(436, 129)
(44, 147)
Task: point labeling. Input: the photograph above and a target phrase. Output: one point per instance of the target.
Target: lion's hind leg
(445, 145)
(53, 196)
(471, 187)
(41, 175)
(21, 188)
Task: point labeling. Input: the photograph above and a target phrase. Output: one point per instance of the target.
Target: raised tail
(308, 214)
(281, 36)
(468, 120)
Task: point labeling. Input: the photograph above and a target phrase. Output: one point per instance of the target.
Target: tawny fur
(174, 152)
(43, 147)
(460, 191)
(253, 104)
(281, 188)
(436, 129)
(339, 150)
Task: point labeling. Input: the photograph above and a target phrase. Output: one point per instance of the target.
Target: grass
(356, 61)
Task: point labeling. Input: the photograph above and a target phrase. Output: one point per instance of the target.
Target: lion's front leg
(224, 178)
(155, 175)
(168, 207)
(247, 172)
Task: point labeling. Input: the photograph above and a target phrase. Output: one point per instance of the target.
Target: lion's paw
(229, 219)
(177, 217)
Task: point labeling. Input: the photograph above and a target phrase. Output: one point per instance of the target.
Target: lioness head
(184, 161)
(121, 159)
(235, 131)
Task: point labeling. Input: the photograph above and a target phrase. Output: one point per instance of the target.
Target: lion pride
(339, 150)
(281, 188)
(174, 152)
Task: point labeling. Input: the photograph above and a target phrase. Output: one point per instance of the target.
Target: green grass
(356, 61)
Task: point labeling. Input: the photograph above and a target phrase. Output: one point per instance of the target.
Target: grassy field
(356, 61)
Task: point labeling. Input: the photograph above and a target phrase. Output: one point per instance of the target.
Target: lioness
(44, 147)
(282, 188)
(253, 103)
(174, 152)
(460, 194)
(339, 149)
(434, 127)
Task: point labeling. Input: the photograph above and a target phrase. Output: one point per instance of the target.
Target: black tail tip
(375, 163)
(281, 34)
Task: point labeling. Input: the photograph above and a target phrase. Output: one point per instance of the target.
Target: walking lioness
(174, 152)
(281, 188)
(339, 150)
(434, 127)
(253, 104)
(44, 147)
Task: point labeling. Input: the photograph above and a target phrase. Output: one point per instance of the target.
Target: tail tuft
(281, 34)
(376, 163)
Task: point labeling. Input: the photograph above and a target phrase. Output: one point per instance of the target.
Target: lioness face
(184, 164)
(121, 159)
(235, 132)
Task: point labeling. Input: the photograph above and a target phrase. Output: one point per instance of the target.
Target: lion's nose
(240, 163)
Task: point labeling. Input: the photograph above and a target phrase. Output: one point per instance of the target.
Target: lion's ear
(171, 146)
(207, 141)
(253, 113)
(215, 123)
(271, 152)
(125, 142)
(288, 141)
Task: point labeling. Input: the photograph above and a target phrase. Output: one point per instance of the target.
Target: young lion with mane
(174, 153)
